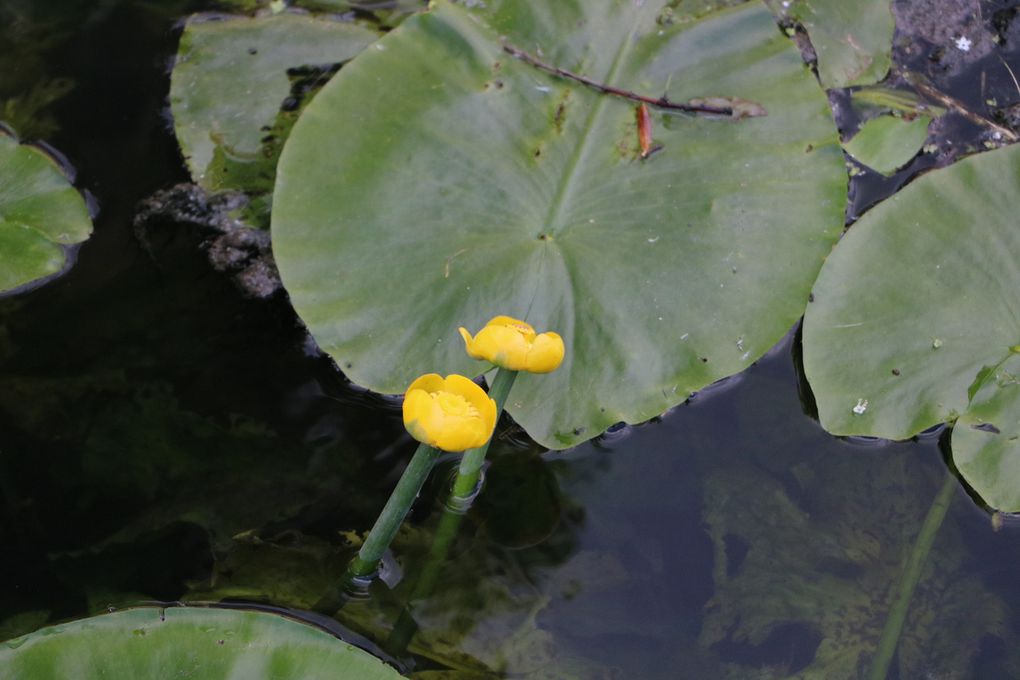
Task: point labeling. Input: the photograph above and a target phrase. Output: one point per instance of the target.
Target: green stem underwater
(405, 627)
(909, 578)
(400, 501)
(471, 463)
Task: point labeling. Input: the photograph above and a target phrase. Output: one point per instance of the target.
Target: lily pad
(916, 300)
(199, 643)
(478, 184)
(231, 79)
(887, 143)
(41, 215)
(986, 439)
(852, 38)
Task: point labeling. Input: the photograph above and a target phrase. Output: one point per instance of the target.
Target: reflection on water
(162, 437)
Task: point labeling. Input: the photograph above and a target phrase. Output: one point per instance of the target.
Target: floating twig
(739, 108)
(925, 89)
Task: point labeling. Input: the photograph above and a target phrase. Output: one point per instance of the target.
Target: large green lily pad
(231, 79)
(914, 303)
(197, 643)
(437, 182)
(41, 215)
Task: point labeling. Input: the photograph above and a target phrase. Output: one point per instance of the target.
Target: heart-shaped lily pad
(438, 181)
(916, 300)
(198, 643)
(41, 215)
(230, 81)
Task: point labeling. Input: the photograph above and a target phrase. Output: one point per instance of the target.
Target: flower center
(455, 405)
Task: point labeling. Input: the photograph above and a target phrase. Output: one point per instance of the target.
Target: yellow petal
(422, 416)
(468, 343)
(430, 382)
(522, 327)
(484, 405)
(487, 411)
(503, 346)
(458, 384)
(461, 433)
(546, 353)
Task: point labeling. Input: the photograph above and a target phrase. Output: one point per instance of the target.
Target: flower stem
(471, 463)
(400, 501)
(908, 580)
(405, 627)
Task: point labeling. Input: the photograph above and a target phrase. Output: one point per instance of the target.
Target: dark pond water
(162, 437)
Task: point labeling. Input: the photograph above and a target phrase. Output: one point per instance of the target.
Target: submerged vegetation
(666, 184)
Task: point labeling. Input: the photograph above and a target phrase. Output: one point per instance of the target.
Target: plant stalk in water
(405, 627)
(400, 501)
(909, 577)
(471, 463)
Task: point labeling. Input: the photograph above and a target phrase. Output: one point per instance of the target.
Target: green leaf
(852, 38)
(478, 185)
(916, 299)
(911, 309)
(198, 643)
(887, 143)
(986, 439)
(230, 80)
(886, 99)
(41, 214)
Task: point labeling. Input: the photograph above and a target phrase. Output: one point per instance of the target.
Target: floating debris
(861, 407)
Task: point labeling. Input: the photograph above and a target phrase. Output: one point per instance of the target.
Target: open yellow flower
(452, 414)
(514, 345)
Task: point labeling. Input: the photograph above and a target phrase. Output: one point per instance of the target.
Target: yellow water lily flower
(513, 344)
(452, 414)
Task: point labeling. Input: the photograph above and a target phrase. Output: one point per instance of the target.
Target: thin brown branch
(659, 102)
(925, 89)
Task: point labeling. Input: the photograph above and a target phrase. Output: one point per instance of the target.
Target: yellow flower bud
(452, 414)
(514, 345)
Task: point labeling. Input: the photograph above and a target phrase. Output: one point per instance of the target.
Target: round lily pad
(914, 305)
(199, 643)
(439, 181)
(41, 215)
(231, 79)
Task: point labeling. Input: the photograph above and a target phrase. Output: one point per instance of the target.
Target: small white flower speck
(862, 406)
(963, 43)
